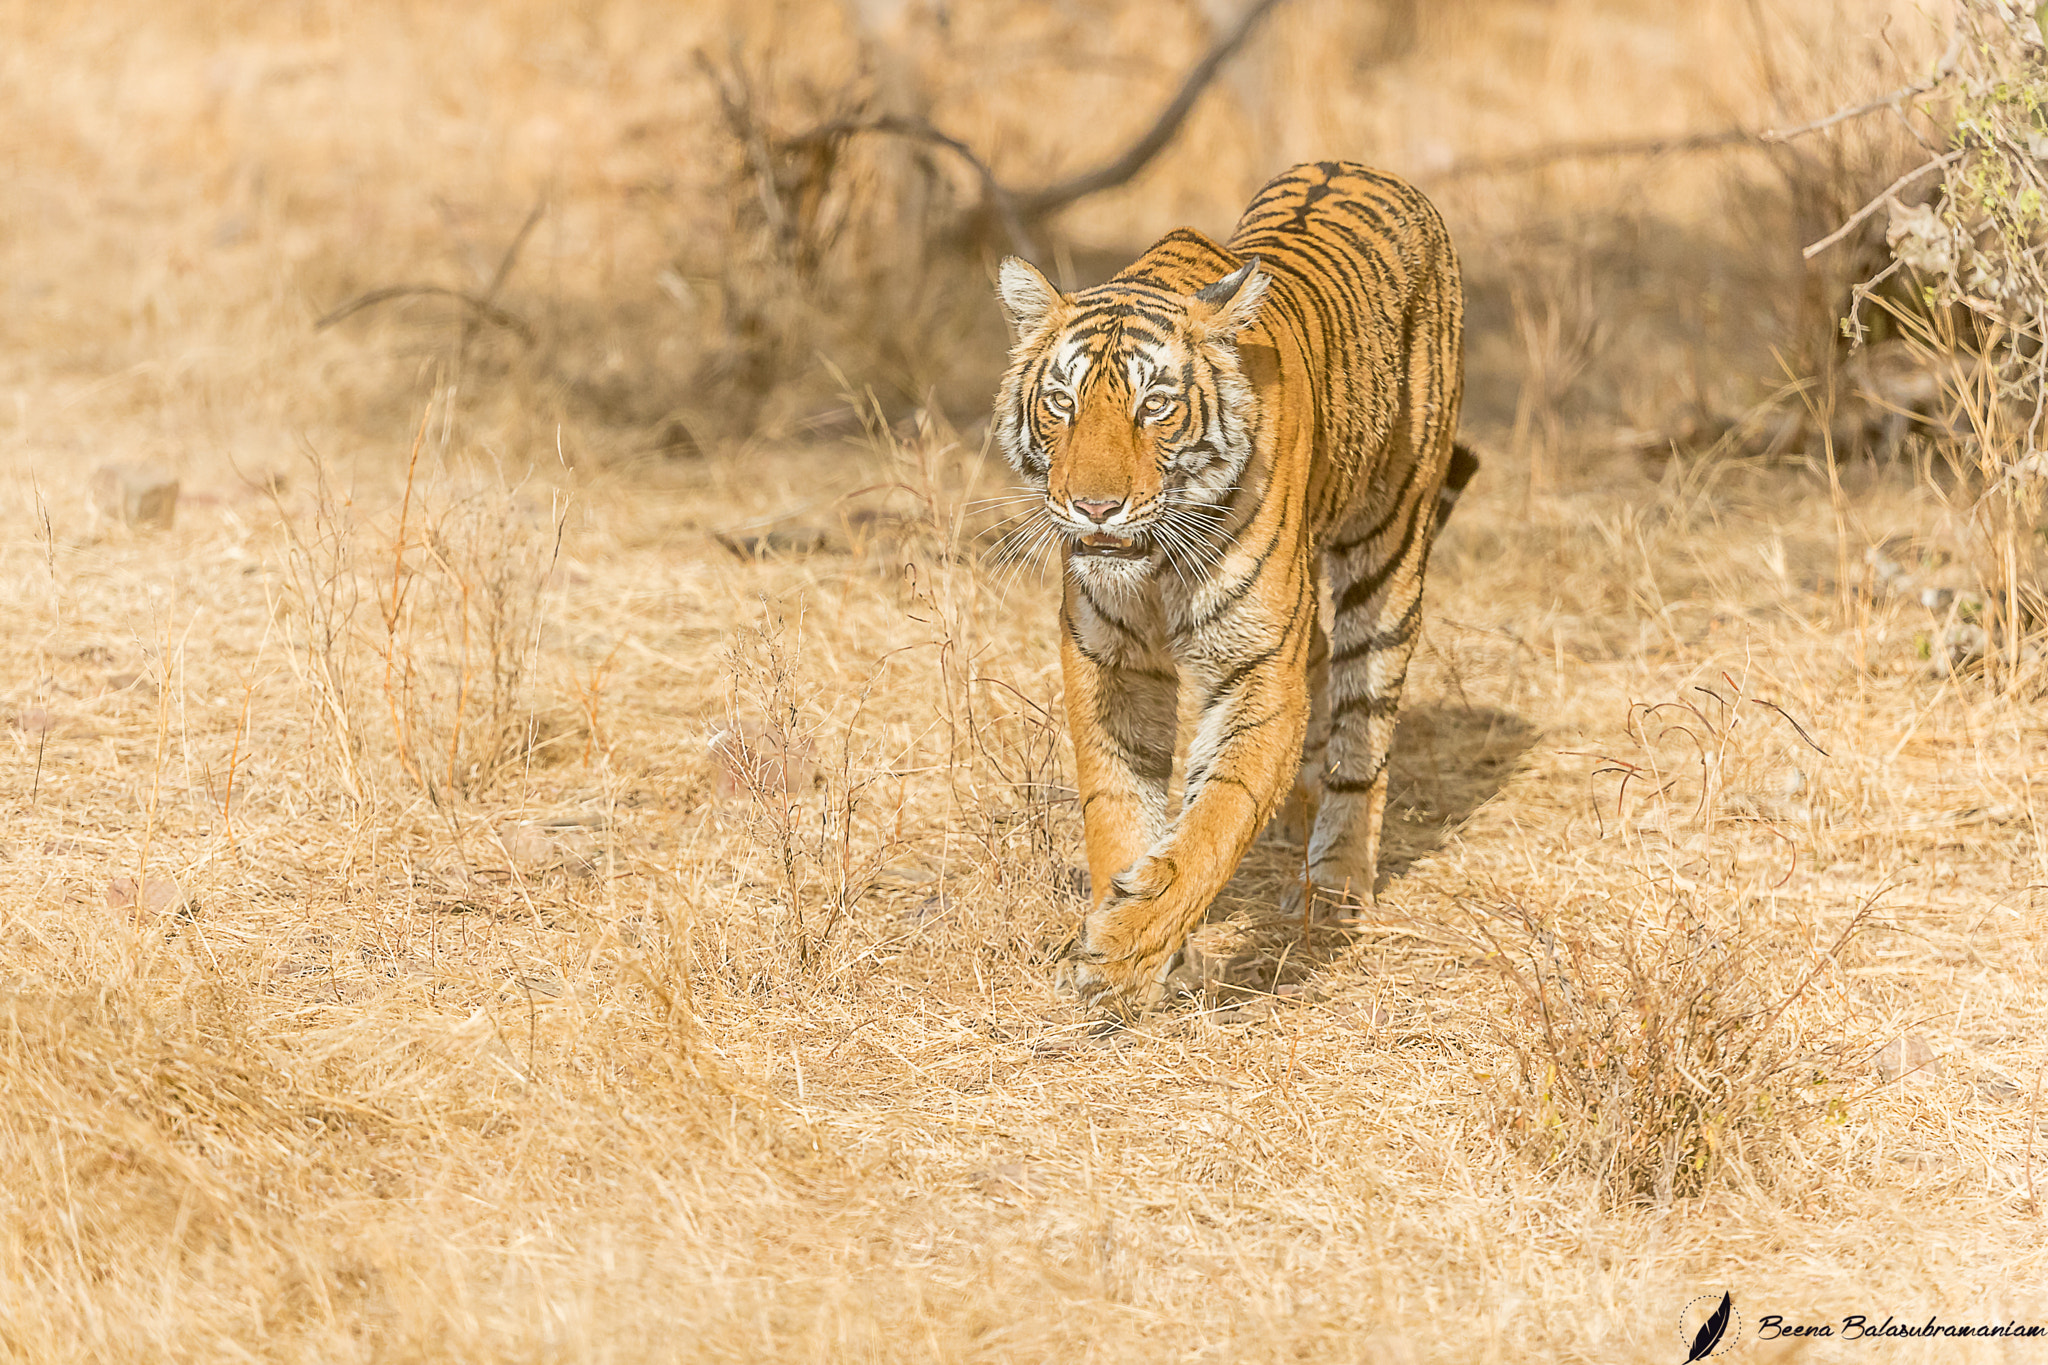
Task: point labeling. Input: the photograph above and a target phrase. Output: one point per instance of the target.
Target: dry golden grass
(520, 895)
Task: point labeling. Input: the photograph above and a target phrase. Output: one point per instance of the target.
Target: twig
(401, 582)
(481, 306)
(1052, 198)
(736, 99)
(999, 198)
(1882, 199)
(511, 256)
(484, 305)
(1793, 723)
(1942, 69)
(2032, 1104)
(227, 799)
(1016, 211)
(1536, 158)
(1539, 157)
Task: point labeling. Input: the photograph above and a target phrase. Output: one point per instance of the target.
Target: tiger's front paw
(1122, 989)
(1121, 958)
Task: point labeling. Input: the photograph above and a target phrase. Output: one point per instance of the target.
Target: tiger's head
(1128, 408)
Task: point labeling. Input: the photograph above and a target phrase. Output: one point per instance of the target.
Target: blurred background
(640, 233)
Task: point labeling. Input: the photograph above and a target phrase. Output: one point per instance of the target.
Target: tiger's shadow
(1447, 762)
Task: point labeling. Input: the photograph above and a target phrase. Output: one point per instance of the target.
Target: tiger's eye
(1158, 405)
(1060, 403)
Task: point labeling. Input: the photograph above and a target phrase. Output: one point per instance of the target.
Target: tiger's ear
(1028, 296)
(1230, 305)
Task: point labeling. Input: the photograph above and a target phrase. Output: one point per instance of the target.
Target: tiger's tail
(1464, 464)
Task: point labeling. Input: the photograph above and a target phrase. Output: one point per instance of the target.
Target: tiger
(1213, 435)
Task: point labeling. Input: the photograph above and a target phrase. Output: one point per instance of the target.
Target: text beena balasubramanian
(1857, 1325)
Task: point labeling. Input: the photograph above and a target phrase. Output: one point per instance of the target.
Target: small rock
(139, 495)
(1998, 1089)
(763, 762)
(906, 874)
(156, 896)
(676, 441)
(542, 845)
(35, 720)
(1005, 1180)
(930, 908)
(1908, 1055)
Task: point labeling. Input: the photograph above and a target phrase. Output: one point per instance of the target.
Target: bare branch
(999, 199)
(1942, 69)
(1882, 199)
(511, 256)
(1016, 211)
(1536, 158)
(481, 307)
(1052, 198)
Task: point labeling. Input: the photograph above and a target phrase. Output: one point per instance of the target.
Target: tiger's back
(1340, 240)
(1293, 396)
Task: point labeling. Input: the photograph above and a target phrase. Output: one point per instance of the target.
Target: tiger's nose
(1098, 511)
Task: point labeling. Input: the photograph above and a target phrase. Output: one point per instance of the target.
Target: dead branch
(998, 198)
(477, 304)
(1539, 157)
(481, 306)
(736, 99)
(1536, 158)
(1879, 202)
(1942, 69)
(1051, 199)
(1018, 212)
(511, 256)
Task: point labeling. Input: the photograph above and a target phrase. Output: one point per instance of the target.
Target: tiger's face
(1127, 408)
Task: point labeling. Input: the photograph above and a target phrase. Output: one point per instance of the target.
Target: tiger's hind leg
(1376, 587)
(1375, 563)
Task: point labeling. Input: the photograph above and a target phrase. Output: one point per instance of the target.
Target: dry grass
(550, 892)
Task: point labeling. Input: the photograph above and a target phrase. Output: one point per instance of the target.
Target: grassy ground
(488, 884)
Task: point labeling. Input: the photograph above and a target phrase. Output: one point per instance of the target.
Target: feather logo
(1708, 1338)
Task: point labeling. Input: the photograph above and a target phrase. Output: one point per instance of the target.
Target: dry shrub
(835, 799)
(416, 634)
(840, 243)
(1963, 283)
(1676, 1038)
(826, 829)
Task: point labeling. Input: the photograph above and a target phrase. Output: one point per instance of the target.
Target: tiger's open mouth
(1103, 545)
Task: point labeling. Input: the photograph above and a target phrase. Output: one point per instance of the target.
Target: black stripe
(1116, 623)
(1363, 589)
(1375, 707)
(1403, 632)
(1238, 674)
(1349, 786)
